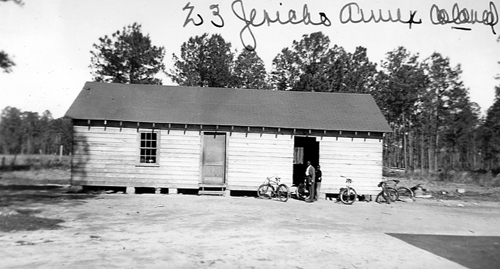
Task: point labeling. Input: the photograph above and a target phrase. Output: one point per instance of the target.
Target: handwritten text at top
(349, 13)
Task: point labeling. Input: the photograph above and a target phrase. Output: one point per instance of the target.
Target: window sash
(148, 147)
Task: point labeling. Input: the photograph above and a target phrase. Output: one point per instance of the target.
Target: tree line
(31, 133)
(435, 124)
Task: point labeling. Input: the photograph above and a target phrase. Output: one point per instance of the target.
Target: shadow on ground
(25, 196)
(470, 251)
(19, 204)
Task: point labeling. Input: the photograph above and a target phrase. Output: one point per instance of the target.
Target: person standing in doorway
(311, 176)
(317, 182)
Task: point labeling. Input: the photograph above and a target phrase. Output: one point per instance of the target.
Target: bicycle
(387, 195)
(347, 195)
(302, 191)
(404, 193)
(268, 190)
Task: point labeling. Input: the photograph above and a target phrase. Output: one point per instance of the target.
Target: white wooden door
(214, 158)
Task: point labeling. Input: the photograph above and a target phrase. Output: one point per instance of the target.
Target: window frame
(139, 148)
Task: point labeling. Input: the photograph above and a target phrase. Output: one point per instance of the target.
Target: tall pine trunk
(422, 154)
(410, 147)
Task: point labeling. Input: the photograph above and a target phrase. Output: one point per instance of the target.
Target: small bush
(495, 182)
(495, 171)
(483, 179)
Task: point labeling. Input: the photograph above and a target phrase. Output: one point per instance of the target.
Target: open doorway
(305, 149)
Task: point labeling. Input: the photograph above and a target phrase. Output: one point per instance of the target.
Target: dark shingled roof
(231, 107)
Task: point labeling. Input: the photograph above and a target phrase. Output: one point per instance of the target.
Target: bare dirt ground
(189, 231)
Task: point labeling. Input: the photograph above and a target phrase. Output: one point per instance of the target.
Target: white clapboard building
(176, 139)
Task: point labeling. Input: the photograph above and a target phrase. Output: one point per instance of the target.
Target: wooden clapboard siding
(180, 155)
(109, 156)
(357, 158)
(253, 157)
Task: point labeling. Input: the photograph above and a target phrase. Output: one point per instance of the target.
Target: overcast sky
(50, 40)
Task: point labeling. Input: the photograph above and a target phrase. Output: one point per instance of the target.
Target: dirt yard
(188, 231)
(47, 227)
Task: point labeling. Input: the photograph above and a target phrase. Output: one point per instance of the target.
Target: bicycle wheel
(405, 193)
(265, 191)
(348, 196)
(393, 193)
(381, 198)
(283, 193)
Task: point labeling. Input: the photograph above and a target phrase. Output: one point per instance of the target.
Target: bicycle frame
(275, 183)
(403, 191)
(385, 192)
(348, 183)
(276, 188)
(347, 195)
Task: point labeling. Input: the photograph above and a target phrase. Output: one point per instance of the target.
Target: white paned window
(148, 148)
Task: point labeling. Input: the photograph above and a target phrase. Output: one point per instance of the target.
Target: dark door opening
(305, 149)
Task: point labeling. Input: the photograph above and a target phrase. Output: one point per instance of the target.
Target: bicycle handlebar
(347, 180)
(276, 179)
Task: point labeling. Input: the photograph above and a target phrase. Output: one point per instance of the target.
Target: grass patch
(479, 177)
(33, 162)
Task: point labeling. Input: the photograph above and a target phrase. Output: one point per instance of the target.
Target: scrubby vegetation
(33, 162)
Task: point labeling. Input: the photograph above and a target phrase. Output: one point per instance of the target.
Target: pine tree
(249, 71)
(204, 61)
(127, 57)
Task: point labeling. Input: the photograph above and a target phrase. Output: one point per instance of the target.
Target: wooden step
(203, 192)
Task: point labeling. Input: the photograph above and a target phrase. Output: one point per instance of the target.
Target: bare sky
(50, 40)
